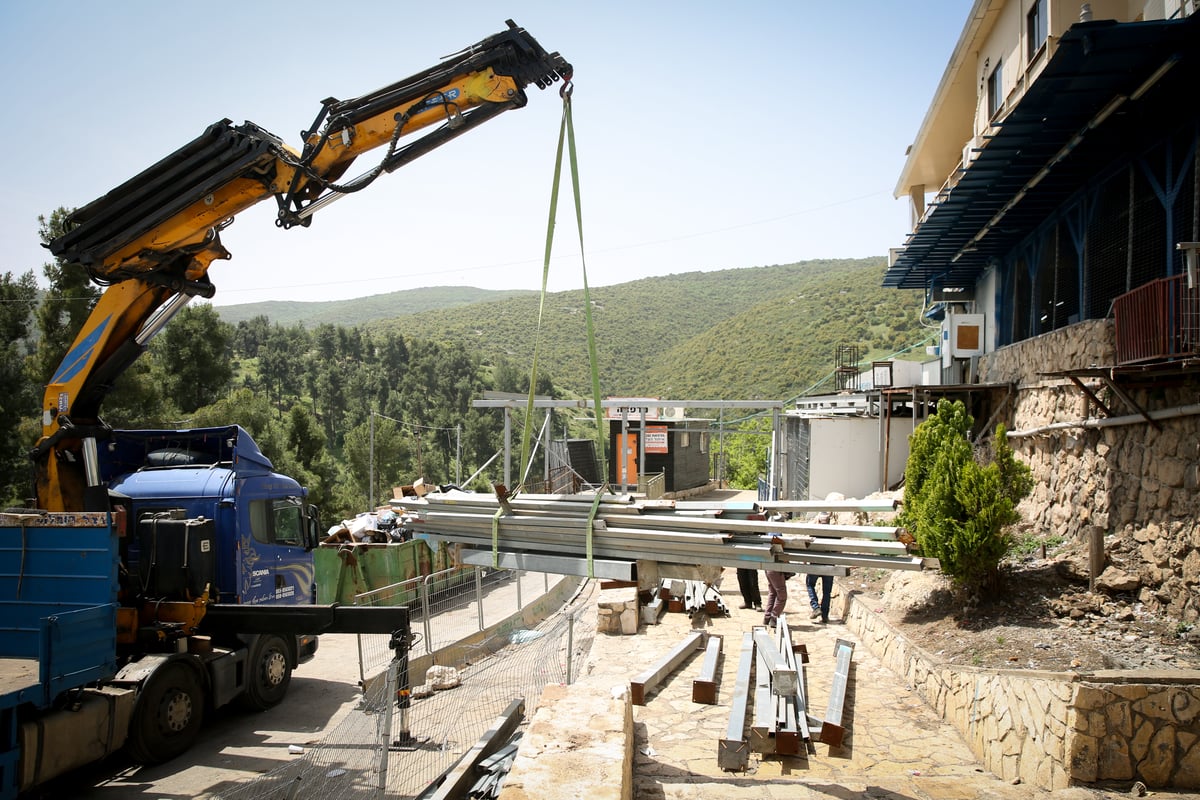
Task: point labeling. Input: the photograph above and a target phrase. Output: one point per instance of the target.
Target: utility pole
(371, 467)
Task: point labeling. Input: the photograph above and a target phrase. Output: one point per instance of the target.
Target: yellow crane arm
(152, 239)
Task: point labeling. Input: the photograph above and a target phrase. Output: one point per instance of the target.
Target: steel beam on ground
(704, 686)
(788, 733)
(640, 684)
(762, 731)
(784, 680)
(800, 701)
(733, 752)
(832, 731)
(460, 776)
(652, 612)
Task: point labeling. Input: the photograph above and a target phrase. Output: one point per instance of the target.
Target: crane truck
(158, 575)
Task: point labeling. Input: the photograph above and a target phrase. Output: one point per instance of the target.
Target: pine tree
(65, 305)
(18, 401)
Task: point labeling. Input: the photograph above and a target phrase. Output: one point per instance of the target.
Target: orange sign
(656, 439)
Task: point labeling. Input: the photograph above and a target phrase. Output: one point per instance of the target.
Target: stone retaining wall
(617, 611)
(1135, 483)
(1052, 730)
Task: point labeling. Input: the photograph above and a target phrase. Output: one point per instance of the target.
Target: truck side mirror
(312, 527)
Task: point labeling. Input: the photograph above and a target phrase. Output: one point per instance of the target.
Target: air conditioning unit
(971, 150)
(962, 336)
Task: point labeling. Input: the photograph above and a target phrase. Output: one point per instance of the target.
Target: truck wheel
(167, 715)
(269, 674)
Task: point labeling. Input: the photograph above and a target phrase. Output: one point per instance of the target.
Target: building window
(1035, 28)
(995, 91)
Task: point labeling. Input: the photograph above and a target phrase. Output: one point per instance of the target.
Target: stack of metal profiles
(606, 536)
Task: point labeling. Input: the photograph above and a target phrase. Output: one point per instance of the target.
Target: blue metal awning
(1107, 87)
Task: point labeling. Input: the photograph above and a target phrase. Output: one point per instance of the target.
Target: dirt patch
(1041, 617)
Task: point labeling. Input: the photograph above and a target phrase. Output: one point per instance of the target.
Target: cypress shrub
(959, 503)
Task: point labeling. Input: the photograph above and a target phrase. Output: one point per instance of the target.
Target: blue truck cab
(263, 529)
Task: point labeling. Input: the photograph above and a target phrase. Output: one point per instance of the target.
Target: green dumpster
(344, 571)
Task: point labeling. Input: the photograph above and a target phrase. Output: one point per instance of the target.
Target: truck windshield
(278, 521)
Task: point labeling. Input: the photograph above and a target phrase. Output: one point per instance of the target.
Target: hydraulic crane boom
(152, 239)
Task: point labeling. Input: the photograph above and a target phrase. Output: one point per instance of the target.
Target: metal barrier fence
(448, 606)
(653, 486)
(382, 749)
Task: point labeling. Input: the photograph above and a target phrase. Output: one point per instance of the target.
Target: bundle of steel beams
(575, 534)
(781, 723)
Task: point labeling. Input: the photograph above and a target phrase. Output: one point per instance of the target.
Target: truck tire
(167, 715)
(269, 673)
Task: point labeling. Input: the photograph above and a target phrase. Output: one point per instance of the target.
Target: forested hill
(752, 333)
(786, 345)
(761, 332)
(364, 309)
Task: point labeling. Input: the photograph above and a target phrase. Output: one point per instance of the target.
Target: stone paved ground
(895, 745)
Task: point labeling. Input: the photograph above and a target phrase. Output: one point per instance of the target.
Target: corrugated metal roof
(1070, 125)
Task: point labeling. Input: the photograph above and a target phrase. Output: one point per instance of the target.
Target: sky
(710, 135)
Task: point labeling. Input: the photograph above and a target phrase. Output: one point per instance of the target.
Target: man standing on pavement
(776, 593)
(748, 586)
(820, 608)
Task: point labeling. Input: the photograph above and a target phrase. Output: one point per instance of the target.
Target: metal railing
(448, 606)
(1158, 320)
(653, 486)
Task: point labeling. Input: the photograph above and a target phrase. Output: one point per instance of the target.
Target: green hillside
(762, 332)
(787, 345)
(379, 306)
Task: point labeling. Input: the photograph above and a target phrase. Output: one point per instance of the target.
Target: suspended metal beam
(604, 569)
(621, 528)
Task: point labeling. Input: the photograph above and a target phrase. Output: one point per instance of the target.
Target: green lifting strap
(590, 520)
(566, 133)
(537, 336)
(496, 538)
(587, 298)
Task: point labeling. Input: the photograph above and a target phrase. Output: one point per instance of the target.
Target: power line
(413, 424)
